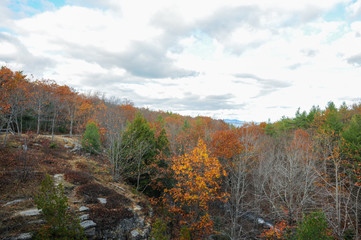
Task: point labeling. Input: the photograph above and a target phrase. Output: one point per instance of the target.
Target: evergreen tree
(91, 138)
(139, 134)
(60, 224)
(314, 226)
(352, 137)
(301, 120)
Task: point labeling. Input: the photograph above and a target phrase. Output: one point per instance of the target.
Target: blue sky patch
(4, 29)
(32, 7)
(58, 3)
(337, 13)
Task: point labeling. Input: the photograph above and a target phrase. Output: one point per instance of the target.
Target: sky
(227, 59)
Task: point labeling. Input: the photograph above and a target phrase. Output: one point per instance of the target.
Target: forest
(296, 178)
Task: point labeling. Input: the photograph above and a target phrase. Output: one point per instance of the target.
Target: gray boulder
(87, 224)
(29, 212)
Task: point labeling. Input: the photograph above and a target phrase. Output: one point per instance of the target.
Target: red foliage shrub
(105, 218)
(92, 191)
(77, 177)
(116, 200)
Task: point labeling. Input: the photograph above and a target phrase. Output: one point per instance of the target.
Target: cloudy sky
(236, 59)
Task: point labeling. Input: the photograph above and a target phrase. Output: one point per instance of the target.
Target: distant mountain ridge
(235, 122)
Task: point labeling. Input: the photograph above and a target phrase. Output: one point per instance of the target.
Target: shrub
(159, 230)
(349, 234)
(52, 145)
(77, 177)
(60, 224)
(92, 191)
(91, 138)
(105, 218)
(314, 226)
(185, 233)
(115, 200)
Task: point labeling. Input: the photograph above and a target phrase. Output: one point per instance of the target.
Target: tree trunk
(39, 114)
(21, 123)
(138, 178)
(71, 125)
(17, 125)
(357, 220)
(337, 199)
(7, 131)
(52, 127)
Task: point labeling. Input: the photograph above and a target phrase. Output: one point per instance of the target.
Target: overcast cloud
(251, 61)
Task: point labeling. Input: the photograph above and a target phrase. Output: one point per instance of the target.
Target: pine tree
(91, 138)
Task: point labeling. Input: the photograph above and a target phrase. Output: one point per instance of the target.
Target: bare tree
(337, 197)
(239, 184)
(288, 177)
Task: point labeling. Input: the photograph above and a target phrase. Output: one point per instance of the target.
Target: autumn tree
(335, 181)
(14, 96)
(197, 177)
(239, 183)
(174, 123)
(55, 105)
(90, 108)
(225, 144)
(70, 103)
(40, 98)
(128, 110)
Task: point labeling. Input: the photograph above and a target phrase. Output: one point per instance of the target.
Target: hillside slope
(106, 209)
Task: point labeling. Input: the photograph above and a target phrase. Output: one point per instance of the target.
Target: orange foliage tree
(197, 184)
(14, 94)
(225, 144)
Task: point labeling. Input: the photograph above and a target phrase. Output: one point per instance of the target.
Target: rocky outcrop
(72, 144)
(136, 227)
(127, 229)
(131, 224)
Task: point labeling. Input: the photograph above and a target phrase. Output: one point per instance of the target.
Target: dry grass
(80, 165)
(77, 177)
(92, 191)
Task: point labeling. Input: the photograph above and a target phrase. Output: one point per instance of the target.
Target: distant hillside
(235, 122)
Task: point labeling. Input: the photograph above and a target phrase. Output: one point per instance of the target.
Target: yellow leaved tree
(197, 178)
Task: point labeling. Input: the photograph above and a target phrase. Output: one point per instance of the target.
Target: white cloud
(227, 59)
(354, 9)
